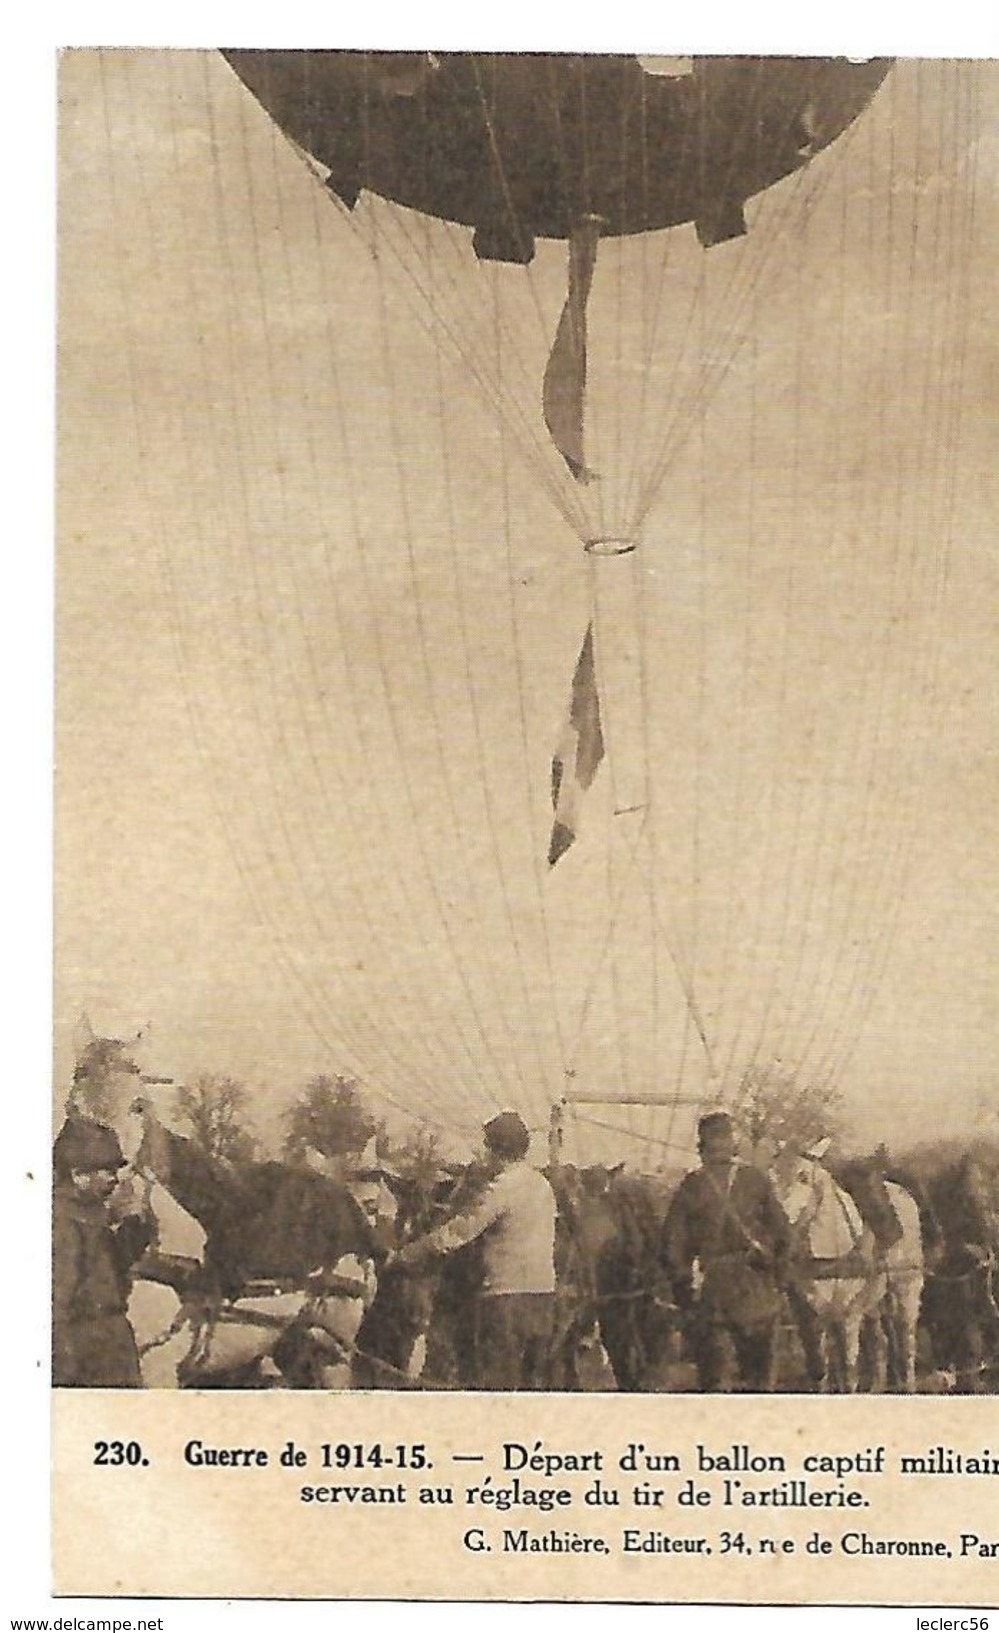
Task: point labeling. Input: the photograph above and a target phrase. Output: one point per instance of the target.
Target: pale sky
(317, 626)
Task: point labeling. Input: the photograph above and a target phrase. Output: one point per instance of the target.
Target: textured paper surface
(174, 1529)
(186, 631)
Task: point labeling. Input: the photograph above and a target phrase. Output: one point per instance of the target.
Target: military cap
(508, 1135)
(83, 1147)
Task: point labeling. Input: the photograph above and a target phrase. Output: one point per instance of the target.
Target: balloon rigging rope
(617, 902)
(514, 217)
(387, 229)
(725, 997)
(647, 1137)
(459, 323)
(620, 1012)
(460, 326)
(653, 809)
(691, 1016)
(472, 1063)
(618, 891)
(534, 823)
(482, 761)
(782, 860)
(454, 949)
(145, 462)
(947, 470)
(289, 559)
(945, 433)
(749, 622)
(683, 966)
(886, 724)
(783, 845)
(166, 553)
(617, 894)
(408, 973)
(795, 848)
(412, 271)
(779, 221)
(949, 504)
(460, 847)
(674, 404)
(772, 786)
(725, 360)
(925, 421)
(683, 412)
(886, 526)
(660, 245)
(303, 713)
(828, 832)
(244, 443)
(348, 856)
(884, 904)
(462, 330)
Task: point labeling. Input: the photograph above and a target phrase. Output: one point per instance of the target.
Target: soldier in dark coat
(726, 1218)
(93, 1345)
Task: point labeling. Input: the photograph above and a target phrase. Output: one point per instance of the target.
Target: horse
(416, 1334)
(288, 1270)
(107, 1083)
(156, 1304)
(419, 1332)
(256, 1274)
(613, 1299)
(890, 1330)
(838, 1276)
(961, 1308)
(439, 1299)
(189, 1332)
(586, 1229)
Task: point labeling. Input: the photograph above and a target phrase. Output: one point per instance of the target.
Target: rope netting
(371, 568)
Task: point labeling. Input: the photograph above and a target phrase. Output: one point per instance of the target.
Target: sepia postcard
(525, 1122)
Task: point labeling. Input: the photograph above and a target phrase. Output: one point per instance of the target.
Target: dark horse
(611, 1290)
(419, 1332)
(961, 1303)
(611, 1282)
(289, 1265)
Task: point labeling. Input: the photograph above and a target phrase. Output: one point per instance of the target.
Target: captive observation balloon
(522, 146)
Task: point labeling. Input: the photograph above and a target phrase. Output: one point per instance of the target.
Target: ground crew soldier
(725, 1216)
(515, 1219)
(93, 1345)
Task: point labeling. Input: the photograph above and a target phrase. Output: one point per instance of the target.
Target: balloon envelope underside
(522, 146)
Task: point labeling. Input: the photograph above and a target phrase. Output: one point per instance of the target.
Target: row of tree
(331, 1115)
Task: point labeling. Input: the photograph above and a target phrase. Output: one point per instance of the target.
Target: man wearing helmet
(515, 1220)
(93, 1345)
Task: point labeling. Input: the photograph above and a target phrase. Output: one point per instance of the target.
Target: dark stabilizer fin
(724, 219)
(502, 241)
